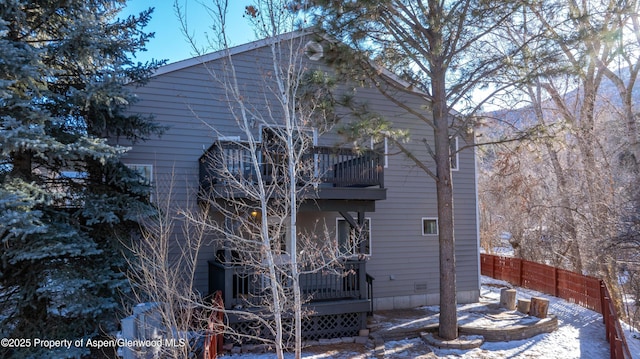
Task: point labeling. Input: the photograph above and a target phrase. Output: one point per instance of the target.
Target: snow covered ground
(580, 334)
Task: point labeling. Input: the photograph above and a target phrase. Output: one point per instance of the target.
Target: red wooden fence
(588, 292)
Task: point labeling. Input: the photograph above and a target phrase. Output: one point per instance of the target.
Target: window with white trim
(429, 226)
(381, 147)
(146, 173)
(144, 170)
(453, 150)
(346, 236)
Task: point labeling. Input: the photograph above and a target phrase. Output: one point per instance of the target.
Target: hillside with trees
(568, 195)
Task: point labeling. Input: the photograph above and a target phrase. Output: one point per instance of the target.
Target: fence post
(617, 348)
(607, 320)
(556, 282)
(520, 274)
(493, 266)
(602, 295)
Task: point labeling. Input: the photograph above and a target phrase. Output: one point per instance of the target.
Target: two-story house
(382, 190)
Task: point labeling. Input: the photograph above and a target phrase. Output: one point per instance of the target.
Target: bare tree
(261, 177)
(258, 177)
(163, 272)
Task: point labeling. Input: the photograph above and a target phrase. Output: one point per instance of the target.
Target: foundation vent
(420, 287)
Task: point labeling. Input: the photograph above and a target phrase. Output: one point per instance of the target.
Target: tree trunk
(22, 165)
(274, 285)
(524, 306)
(293, 215)
(448, 328)
(508, 298)
(633, 136)
(568, 224)
(539, 307)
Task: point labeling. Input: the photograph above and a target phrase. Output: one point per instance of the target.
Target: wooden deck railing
(242, 286)
(589, 292)
(339, 167)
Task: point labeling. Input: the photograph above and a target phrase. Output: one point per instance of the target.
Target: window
(146, 175)
(453, 150)
(347, 241)
(429, 226)
(145, 171)
(381, 146)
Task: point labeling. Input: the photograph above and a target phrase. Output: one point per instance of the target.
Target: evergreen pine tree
(66, 201)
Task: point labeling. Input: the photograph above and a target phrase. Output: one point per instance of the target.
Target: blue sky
(169, 42)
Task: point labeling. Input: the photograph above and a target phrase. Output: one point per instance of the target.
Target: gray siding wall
(403, 261)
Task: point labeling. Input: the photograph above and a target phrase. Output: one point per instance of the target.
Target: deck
(338, 300)
(243, 287)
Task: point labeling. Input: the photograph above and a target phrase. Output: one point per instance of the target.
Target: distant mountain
(503, 122)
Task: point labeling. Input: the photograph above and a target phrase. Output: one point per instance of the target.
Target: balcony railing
(244, 287)
(326, 166)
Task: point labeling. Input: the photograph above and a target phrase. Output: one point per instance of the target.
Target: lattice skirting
(313, 328)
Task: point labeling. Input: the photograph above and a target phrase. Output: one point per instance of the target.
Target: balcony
(333, 173)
